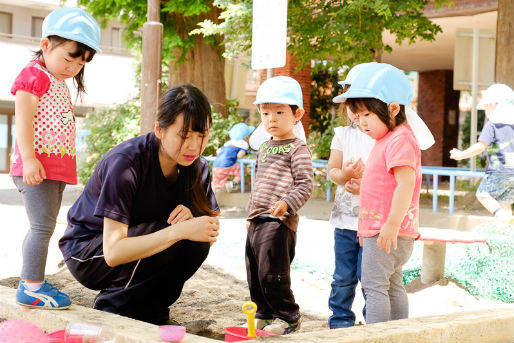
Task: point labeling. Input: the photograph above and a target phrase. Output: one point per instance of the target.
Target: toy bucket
(56, 336)
(239, 333)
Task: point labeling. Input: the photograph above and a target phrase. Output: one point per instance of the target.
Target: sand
(213, 297)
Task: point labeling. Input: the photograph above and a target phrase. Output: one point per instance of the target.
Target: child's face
(58, 59)
(489, 108)
(370, 123)
(279, 119)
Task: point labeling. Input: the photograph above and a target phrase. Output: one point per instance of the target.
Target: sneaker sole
(43, 307)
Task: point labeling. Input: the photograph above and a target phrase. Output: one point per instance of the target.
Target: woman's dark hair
(81, 51)
(378, 107)
(196, 109)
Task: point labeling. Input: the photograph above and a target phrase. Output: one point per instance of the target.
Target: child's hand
(456, 154)
(353, 186)
(247, 225)
(279, 208)
(179, 214)
(33, 172)
(388, 235)
(353, 169)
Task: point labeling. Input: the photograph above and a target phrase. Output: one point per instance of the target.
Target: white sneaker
(229, 186)
(260, 323)
(281, 327)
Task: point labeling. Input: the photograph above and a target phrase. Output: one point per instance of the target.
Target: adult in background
(147, 217)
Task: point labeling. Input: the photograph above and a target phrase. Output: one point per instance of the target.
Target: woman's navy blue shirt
(128, 186)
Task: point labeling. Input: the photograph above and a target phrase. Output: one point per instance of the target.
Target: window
(36, 28)
(5, 24)
(116, 39)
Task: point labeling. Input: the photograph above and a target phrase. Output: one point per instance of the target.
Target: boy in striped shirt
(283, 183)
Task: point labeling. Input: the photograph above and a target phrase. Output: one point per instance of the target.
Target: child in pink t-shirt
(44, 158)
(390, 186)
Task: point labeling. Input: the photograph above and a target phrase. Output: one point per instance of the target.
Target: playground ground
(212, 299)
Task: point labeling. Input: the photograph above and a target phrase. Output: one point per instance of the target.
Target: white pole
(269, 73)
(474, 90)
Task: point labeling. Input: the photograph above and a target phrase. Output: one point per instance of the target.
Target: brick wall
(303, 76)
(438, 106)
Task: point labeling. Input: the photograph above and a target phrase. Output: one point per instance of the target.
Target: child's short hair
(380, 108)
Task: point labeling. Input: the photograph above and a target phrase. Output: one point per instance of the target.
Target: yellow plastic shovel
(249, 308)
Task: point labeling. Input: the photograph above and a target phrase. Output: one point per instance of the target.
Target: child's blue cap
(280, 90)
(240, 131)
(380, 81)
(73, 24)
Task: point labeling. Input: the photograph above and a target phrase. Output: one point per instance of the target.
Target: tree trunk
(204, 67)
(504, 68)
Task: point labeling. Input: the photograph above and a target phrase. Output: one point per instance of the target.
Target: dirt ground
(212, 298)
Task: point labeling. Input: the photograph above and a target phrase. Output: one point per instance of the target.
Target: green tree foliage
(185, 14)
(220, 127)
(344, 32)
(107, 128)
(324, 88)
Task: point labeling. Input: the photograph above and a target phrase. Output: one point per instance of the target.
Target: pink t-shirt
(397, 148)
(54, 124)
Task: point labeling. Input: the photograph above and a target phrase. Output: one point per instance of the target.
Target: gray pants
(382, 280)
(42, 204)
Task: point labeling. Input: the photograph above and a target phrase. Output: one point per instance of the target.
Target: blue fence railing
(431, 176)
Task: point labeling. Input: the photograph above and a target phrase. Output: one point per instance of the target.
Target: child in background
(389, 190)
(496, 191)
(349, 151)
(225, 164)
(44, 158)
(283, 183)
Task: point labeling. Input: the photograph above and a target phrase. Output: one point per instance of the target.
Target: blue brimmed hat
(240, 131)
(74, 24)
(280, 90)
(380, 81)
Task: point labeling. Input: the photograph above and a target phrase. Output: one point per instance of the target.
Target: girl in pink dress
(44, 158)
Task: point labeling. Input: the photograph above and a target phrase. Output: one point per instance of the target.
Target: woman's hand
(179, 214)
(199, 229)
(279, 209)
(33, 172)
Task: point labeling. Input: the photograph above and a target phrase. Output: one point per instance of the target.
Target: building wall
(109, 77)
(438, 106)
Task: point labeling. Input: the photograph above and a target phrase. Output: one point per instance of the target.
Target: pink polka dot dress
(54, 124)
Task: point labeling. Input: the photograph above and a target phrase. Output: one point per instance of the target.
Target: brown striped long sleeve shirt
(283, 172)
